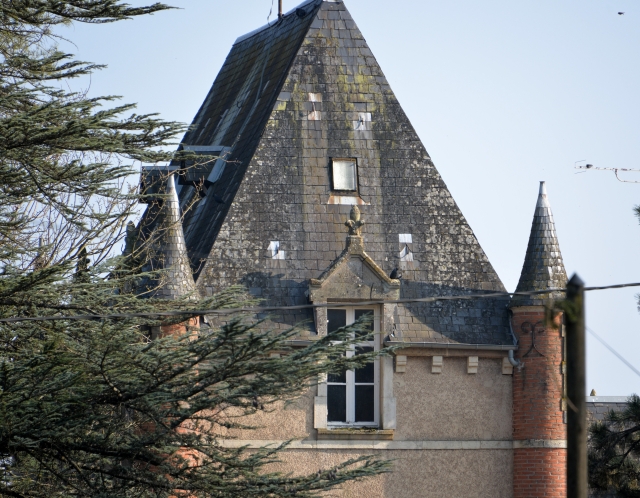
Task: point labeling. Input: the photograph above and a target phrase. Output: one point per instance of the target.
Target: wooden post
(577, 483)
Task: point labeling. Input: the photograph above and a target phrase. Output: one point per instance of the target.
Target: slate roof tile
(543, 266)
(167, 250)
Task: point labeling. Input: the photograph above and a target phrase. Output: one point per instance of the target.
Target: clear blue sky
(503, 94)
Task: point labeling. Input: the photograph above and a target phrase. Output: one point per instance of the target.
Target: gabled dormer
(353, 277)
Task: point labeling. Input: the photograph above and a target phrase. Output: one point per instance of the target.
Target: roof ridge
(269, 25)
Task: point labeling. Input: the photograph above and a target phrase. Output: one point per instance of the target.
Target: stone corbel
(436, 364)
(401, 364)
(507, 367)
(472, 364)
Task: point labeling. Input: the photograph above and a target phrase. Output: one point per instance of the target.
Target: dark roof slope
(235, 113)
(543, 266)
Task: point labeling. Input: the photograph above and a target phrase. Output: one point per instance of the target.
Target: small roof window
(344, 174)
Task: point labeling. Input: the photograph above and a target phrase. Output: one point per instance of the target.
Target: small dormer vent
(274, 249)
(316, 111)
(406, 247)
(205, 171)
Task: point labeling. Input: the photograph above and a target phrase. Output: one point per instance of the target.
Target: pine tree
(614, 451)
(614, 447)
(92, 401)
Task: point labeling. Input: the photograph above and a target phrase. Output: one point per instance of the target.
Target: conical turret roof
(543, 266)
(169, 251)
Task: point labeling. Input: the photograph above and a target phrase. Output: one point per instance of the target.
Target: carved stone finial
(355, 213)
(354, 223)
(130, 239)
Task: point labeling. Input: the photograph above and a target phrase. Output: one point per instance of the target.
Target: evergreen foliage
(614, 447)
(614, 451)
(107, 406)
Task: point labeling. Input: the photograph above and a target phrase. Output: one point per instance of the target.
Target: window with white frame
(353, 395)
(344, 174)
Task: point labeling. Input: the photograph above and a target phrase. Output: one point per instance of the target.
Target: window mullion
(351, 397)
(351, 389)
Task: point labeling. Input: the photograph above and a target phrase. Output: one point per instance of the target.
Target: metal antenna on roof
(587, 167)
(280, 14)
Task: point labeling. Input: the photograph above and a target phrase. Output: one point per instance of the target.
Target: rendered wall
(453, 404)
(420, 474)
(444, 410)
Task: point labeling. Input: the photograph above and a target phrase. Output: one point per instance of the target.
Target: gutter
(299, 343)
(454, 345)
(435, 345)
(515, 363)
(607, 399)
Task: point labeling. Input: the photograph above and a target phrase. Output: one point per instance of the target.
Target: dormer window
(344, 174)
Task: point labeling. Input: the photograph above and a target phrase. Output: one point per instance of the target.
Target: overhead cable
(618, 355)
(264, 309)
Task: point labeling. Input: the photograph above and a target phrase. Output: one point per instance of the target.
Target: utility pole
(577, 482)
(280, 14)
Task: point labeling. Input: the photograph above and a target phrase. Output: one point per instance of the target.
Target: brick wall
(539, 472)
(537, 407)
(190, 326)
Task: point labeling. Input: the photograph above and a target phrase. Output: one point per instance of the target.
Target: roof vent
(274, 248)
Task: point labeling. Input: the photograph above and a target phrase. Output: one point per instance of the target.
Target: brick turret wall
(189, 326)
(539, 431)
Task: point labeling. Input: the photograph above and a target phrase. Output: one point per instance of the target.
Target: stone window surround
(386, 409)
(323, 386)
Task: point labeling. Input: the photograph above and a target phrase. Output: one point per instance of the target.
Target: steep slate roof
(289, 98)
(168, 250)
(543, 266)
(235, 114)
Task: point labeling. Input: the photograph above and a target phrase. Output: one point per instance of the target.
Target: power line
(618, 355)
(616, 286)
(264, 309)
